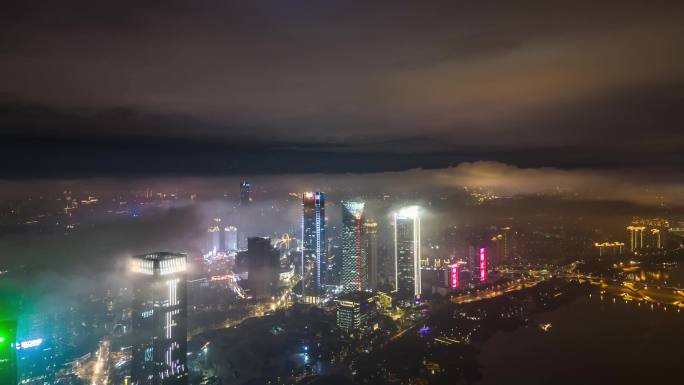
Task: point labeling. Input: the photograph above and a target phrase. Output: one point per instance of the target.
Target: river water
(592, 341)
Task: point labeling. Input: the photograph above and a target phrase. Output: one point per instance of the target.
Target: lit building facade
(654, 241)
(355, 311)
(500, 247)
(636, 237)
(159, 322)
(231, 236)
(314, 248)
(354, 265)
(215, 238)
(407, 251)
(8, 361)
(610, 248)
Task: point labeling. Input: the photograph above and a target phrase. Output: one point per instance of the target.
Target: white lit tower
(231, 238)
(159, 320)
(407, 251)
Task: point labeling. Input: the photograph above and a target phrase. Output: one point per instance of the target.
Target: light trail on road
(101, 370)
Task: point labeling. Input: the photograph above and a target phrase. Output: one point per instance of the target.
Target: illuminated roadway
(496, 291)
(101, 369)
(257, 310)
(638, 291)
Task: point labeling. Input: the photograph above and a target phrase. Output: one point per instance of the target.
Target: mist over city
(306, 193)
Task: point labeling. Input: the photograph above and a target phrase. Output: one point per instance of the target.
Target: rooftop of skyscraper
(357, 297)
(160, 256)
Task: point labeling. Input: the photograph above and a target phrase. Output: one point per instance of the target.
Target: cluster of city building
(355, 270)
(644, 236)
(159, 323)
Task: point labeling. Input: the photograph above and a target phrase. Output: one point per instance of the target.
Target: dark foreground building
(263, 263)
(159, 320)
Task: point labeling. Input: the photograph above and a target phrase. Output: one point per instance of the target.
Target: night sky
(217, 87)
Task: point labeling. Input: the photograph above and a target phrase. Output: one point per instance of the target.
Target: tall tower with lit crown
(159, 327)
(407, 251)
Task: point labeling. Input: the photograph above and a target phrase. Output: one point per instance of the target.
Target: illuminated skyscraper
(8, 361)
(654, 241)
(407, 251)
(314, 248)
(636, 237)
(500, 247)
(214, 241)
(370, 242)
(355, 312)
(354, 267)
(245, 193)
(159, 325)
(231, 237)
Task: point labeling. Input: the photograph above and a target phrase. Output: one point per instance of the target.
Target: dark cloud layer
(579, 83)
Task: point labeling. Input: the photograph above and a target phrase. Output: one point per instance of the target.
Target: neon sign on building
(483, 264)
(453, 276)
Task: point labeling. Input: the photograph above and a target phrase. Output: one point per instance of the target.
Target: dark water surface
(592, 341)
